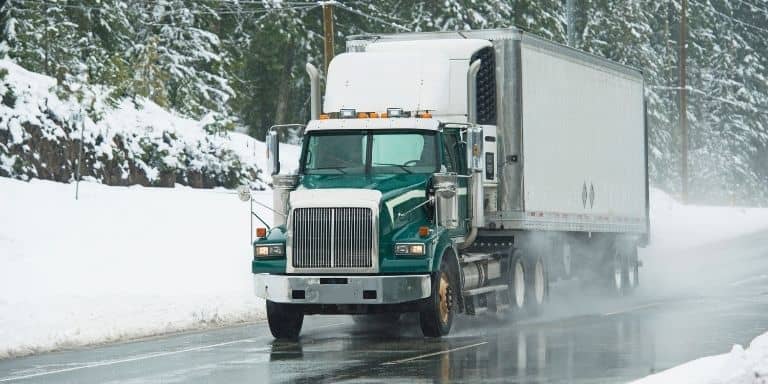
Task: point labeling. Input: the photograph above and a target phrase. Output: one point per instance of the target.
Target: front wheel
(285, 320)
(436, 315)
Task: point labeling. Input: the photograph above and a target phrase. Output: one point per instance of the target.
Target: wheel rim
(444, 293)
(567, 259)
(539, 282)
(519, 285)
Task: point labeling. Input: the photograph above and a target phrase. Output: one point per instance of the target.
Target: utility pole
(328, 32)
(79, 170)
(570, 19)
(683, 102)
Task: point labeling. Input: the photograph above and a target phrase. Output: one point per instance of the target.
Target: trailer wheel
(437, 311)
(537, 285)
(633, 269)
(285, 320)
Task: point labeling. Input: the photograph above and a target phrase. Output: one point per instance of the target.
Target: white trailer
(518, 161)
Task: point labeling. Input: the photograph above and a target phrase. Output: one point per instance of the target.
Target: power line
(296, 7)
(744, 23)
(741, 104)
(380, 20)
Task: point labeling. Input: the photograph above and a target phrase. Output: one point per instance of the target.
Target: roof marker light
(324, 117)
(347, 113)
(394, 112)
(362, 115)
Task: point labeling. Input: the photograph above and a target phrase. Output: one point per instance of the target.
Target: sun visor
(375, 81)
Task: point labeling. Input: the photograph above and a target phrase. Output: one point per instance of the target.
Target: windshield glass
(355, 152)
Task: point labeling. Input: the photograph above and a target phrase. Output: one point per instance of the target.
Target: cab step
(486, 289)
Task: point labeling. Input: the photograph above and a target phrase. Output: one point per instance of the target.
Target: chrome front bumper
(342, 289)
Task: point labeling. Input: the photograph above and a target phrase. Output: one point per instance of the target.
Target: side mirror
(447, 201)
(273, 153)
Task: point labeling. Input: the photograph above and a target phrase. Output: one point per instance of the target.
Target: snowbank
(740, 366)
(677, 227)
(120, 262)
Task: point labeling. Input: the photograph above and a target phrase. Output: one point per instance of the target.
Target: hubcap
(519, 284)
(444, 291)
(539, 282)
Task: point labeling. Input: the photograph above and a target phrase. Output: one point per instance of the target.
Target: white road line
(128, 360)
(329, 325)
(433, 354)
(633, 309)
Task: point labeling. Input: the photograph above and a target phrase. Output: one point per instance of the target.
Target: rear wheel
(515, 279)
(437, 312)
(537, 287)
(285, 320)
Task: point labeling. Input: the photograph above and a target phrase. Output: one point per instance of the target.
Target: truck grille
(332, 238)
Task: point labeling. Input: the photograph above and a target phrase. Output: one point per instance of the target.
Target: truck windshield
(356, 152)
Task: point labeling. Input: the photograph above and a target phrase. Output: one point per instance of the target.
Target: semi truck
(456, 173)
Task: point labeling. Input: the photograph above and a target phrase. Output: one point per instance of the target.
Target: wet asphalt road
(706, 301)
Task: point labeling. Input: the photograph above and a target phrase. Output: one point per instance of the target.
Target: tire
(516, 287)
(536, 285)
(285, 320)
(632, 271)
(437, 311)
(623, 269)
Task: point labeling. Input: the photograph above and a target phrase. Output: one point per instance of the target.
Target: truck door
(454, 160)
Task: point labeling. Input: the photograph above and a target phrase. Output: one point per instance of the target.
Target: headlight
(411, 249)
(271, 250)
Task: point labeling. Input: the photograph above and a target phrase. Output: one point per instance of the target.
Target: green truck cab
(382, 251)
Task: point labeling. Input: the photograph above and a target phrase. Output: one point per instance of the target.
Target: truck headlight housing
(269, 250)
(410, 249)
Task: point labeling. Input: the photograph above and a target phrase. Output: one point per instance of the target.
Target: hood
(399, 192)
(388, 184)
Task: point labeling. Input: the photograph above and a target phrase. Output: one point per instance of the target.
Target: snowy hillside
(125, 142)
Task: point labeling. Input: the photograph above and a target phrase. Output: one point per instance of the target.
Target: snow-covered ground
(739, 366)
(125, 262)
(120, 262)
(676, 229)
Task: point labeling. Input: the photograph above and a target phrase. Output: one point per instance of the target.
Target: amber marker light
(261, 232)
(423, 231)
(324, 117)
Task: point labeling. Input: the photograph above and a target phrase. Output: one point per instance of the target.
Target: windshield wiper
(340, 169)
(403, 167)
